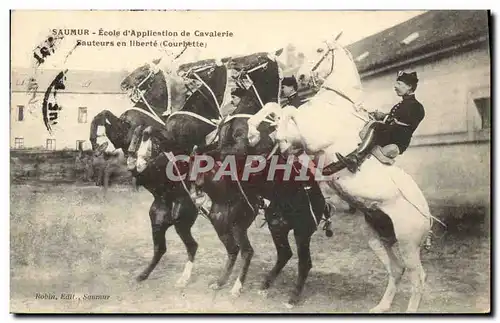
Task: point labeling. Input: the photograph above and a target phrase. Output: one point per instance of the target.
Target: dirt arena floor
(73, 240)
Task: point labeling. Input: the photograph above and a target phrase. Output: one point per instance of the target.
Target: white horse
(331, 122)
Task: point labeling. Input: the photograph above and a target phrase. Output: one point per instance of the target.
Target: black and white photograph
(250, 161)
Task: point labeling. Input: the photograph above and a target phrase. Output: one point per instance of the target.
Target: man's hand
(377, 115)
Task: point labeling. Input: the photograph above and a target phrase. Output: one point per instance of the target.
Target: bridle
(241, 78)
(195, 73)
(315, 67)
(137, 92)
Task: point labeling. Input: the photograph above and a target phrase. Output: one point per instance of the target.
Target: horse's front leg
(133, 147)
(112, 125)
(159, 225)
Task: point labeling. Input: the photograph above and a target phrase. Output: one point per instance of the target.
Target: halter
(315, 67)
(218, 122)
(203, 83)
(136, 94)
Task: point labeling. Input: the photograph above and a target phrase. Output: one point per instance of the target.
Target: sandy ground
(68, 239)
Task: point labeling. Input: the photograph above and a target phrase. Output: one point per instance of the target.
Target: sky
(253, 31)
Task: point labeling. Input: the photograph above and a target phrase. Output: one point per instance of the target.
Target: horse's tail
(412, 193)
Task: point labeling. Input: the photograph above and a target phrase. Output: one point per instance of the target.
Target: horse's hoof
(236, 291)
(141, 277)
(181, 283)
(379, 309)
(263, 292)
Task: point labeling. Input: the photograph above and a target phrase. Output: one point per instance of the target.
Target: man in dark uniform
(236, 94)
(289, 88)
(396, 127)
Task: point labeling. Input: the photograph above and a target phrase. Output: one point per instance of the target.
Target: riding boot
(353, 162)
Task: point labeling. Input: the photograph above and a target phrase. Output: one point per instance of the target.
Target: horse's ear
(278, 52)
(338, 35)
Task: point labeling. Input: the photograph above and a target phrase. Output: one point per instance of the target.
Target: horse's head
(261, 75)
(208, 84)
(147, 86)
(335, 68)
(200, 73)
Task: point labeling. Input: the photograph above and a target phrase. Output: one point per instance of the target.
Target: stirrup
(347, 163)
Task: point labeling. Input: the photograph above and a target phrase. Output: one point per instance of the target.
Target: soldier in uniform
(396, 127)
(289, 88)
(236, 94)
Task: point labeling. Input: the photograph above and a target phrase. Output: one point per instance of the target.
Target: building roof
(426, 33)
(78, 81)
(244, 60)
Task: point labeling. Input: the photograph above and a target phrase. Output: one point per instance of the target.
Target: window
(20, 112)
(79, 144)
(82, 115)
(483, 106)
(20, 82)
(51, 144)
(18, 143)
(86, 84)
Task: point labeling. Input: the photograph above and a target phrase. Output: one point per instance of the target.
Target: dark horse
(297, 206)
(230, 214)
(234, 208)
(171, 205)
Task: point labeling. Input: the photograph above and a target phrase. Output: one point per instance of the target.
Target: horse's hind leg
(410, 252)
(183, 227)
(303, 241)
(159, 226)
(221, 222)
(241, 234)
(279, 232)
(393, 266)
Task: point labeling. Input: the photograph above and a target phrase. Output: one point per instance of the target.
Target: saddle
(386, 154)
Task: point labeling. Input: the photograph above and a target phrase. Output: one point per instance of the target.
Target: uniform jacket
(410, 112)
(294, 100)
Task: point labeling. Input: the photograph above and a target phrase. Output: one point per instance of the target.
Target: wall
(450, 173)
(68, 130)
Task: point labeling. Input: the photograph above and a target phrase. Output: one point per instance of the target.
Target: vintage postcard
(250, 161)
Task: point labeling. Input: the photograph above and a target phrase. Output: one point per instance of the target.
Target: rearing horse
(171, 205)
(294, 205)
(234, 203)
(330, 122)
(148, 90)
(261, 77)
